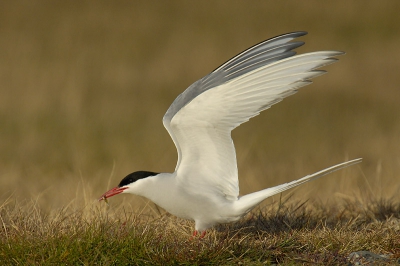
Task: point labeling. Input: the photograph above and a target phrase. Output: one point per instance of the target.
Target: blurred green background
(84, 86)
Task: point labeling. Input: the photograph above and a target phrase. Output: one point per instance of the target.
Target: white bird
(205, 186)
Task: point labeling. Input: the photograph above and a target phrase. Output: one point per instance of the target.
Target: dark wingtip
(300, 33)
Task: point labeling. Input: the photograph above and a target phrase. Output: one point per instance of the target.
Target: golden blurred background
(84, 86)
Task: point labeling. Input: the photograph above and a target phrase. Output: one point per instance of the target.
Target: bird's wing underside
(201, 119)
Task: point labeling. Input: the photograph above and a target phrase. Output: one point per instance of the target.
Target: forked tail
(249, 201)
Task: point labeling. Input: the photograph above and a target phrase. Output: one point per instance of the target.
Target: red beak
(112, 192)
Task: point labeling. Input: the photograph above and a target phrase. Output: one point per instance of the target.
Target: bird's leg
(195, 234)
(203, 234)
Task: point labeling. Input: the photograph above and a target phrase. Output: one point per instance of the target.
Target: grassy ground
(83, 88)
(283, 234)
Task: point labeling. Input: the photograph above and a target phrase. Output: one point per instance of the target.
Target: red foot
(195, 234)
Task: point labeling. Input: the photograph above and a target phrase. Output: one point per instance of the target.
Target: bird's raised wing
(201, 119)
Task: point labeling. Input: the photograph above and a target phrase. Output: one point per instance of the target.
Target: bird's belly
(198, 208)
(188, 208)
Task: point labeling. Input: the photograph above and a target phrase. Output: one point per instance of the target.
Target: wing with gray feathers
(259, 55)
(201, 119)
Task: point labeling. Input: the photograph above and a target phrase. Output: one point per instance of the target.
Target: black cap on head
(129, 179)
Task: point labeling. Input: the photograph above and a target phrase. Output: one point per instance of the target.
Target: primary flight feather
(204, 186)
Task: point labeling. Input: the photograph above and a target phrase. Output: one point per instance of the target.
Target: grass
(83, 88)
(284, 233)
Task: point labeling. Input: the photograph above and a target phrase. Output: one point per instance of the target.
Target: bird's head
(128, 184)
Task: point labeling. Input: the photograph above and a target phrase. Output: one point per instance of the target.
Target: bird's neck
(157, 188)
